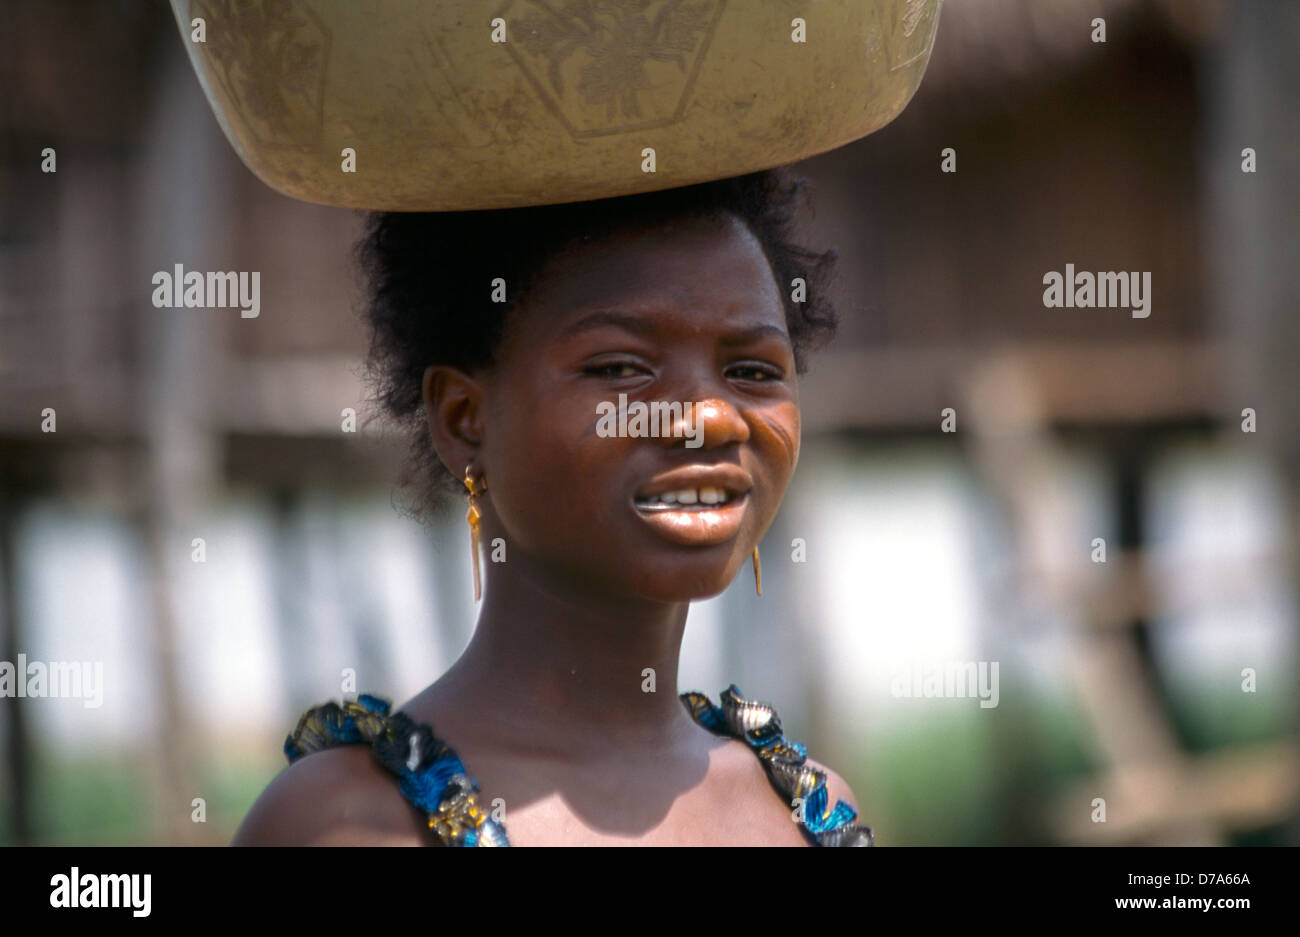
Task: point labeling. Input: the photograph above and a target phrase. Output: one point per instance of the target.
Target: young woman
(498, 337)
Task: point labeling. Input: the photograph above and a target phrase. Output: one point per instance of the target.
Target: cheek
(553, 491)
(776, 441)
(797, 434)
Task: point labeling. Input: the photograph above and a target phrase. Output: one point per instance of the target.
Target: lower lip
(698, 527)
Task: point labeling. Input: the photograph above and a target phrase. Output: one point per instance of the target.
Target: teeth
(705, 495)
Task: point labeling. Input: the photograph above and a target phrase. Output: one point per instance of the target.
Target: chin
(687, 586)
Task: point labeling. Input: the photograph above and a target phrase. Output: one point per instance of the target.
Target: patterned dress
(432, 777)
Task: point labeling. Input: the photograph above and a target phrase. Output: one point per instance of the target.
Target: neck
(558, 671)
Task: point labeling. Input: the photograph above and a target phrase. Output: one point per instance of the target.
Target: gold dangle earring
(758, 574)
(473, 516)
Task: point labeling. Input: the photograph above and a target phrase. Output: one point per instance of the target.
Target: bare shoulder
(336, 797)
(836, 787)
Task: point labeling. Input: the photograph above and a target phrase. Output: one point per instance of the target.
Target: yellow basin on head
(475, 104)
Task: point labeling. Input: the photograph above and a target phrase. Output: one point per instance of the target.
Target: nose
(713, 422)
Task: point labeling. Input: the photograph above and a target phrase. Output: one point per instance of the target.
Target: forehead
(697, 269)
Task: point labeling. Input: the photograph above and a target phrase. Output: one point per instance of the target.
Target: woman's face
(683, 313)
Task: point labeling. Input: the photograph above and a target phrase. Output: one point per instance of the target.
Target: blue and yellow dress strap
(430, 775)
(785, 761)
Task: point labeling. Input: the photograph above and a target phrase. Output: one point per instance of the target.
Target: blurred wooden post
(185, 210)
(1252, 77)
(16, 759)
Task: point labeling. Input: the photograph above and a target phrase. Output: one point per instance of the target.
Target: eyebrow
(605, 317)
(641, 325)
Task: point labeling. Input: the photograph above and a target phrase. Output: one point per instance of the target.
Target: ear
(453, 406)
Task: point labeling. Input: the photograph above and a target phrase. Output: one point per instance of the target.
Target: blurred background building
(1161, 681)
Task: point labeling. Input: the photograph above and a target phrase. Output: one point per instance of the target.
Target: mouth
(687, 499)
(698, 506)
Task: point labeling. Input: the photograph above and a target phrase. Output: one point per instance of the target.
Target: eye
(615, 369)
(757, 372)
